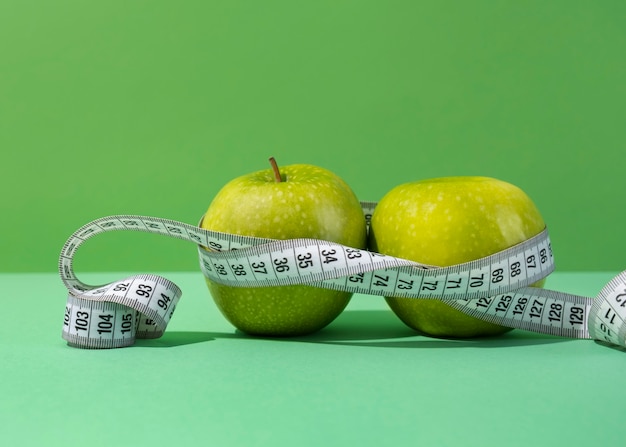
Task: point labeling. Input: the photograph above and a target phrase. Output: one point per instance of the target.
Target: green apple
(447, 221)
(297, 201)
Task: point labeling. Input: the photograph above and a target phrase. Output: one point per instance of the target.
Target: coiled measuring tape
(494, 288)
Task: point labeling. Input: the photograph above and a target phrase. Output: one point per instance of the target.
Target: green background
(149, 107)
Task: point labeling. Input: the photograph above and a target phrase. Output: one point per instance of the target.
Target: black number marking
(127, 323)
(497, 276)
(404, 284)
(519, 307)
(68, 316)
(238, 270)
(555, 312)
(477, 281)
(220, 269)
(215, 246)
(329, 256)
(121, 287)
(504, 303)
(516, 269)
(610, 315)
(543, 256)
(174, 230)
(577, 315)
(454, 283)
(305, 261)
(281, 265)
(105, 323)
(259, 267)
(82, 321)
(430, 285)
(381, 281)
(352, 253)
(536, 309)
(358, 278)
(164, 301)
(144, 290)
(484, 302)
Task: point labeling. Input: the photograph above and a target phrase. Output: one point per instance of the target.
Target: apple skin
(310, 202)
(446, 221)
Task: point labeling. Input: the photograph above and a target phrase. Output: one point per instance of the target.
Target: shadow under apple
(364, 328)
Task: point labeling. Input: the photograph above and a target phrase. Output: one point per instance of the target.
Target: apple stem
(277, 176)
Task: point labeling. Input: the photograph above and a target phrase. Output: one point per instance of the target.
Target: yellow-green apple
(296, 201)
(447, 221)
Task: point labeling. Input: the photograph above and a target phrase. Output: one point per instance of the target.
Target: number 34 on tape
(495, 288)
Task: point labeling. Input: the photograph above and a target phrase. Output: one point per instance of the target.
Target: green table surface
(364, 380)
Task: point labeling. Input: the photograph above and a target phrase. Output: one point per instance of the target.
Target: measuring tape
(494, 288)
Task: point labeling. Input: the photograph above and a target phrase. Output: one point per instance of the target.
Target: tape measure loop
(607, 319)
(114, 315)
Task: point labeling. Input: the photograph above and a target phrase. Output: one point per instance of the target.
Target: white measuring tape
(494, 288)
